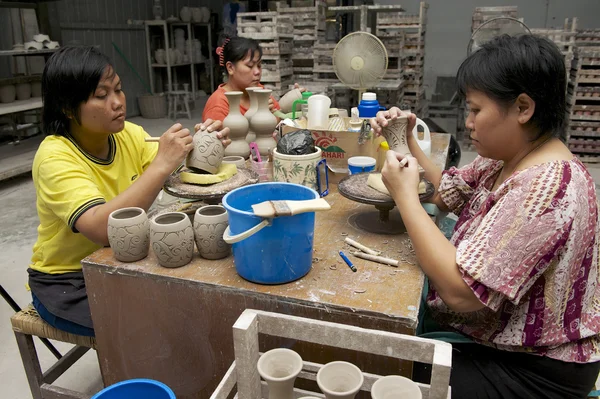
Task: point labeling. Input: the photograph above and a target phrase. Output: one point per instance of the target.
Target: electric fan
(360, 61)
(495, 27)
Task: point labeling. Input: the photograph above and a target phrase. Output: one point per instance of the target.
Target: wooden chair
(26, 324)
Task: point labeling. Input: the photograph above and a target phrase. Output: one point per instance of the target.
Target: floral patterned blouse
(529, 252)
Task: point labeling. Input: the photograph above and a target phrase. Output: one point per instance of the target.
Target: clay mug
(129, 234)
(172, 239)
(395, 134)
(210, 223)
(279, 368)
(207, 154)
(395, 387)
(340, 380)
(287, 101)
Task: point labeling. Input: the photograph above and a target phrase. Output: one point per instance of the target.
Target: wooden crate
(243, 378)
(483, 14)
(588, 37)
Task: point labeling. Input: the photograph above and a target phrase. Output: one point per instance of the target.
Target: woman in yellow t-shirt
(91, 163)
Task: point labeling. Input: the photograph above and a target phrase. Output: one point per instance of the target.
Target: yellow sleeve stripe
(79, 211)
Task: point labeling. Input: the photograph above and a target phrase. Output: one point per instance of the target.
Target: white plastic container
(318, 112)
(425, 144)
(361, 164)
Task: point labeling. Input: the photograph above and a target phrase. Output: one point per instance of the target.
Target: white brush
(271, 209)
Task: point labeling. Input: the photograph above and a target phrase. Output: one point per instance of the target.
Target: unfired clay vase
(239, 162)
(287, 101)
(299, 169)
(263, 123)
(8, 93)
(395, 134)
(395, 387)
(172, 239)
(197, 14)
(129, 234)
(238, 126)
(207, 153)
(210, 223)
(340, 380)
(251, 136)
(23, 91)
(279, 368)
(161, 56)
(185, 14)
(36, 89)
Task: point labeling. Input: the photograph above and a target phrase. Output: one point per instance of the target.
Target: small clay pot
(395, 387)
(340, 380)
(23, 91)
(129, 234)
(210, 223)
(287, 101)
(279, 368)
(172, 239)
(239, 162)
(8, 93)
(207, 153)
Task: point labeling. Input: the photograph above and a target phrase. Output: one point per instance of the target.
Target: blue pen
(348, 262)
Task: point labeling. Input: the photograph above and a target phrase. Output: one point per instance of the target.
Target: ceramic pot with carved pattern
(395, 135)
(210, 223)
(129, 234)
(207, 154)
(172, 239)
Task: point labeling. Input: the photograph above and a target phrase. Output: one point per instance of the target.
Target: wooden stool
(26, 324)
(179, 104)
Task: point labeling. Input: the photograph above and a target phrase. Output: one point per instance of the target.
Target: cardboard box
(338, 146)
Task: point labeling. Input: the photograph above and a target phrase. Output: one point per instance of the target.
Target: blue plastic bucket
(270, 251)
(136, 389)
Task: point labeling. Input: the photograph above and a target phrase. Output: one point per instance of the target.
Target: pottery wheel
(355, 188)
(211, 193)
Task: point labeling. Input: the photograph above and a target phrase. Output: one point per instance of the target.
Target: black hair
(237, 48)
(70, 77)
(508, 66)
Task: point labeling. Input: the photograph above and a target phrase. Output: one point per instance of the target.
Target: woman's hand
(400, 181)
(174, 145)
(211, 126)
(297, 86)
(272, 105)
(381, 120)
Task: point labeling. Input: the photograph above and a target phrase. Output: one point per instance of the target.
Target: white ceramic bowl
(51, 45)
(41, 38)
(33, 45)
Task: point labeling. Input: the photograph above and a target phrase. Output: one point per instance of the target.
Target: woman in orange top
(241, 58)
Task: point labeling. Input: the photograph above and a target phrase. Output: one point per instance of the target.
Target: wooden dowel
(363, 248)
(378, 259)
(152, 139)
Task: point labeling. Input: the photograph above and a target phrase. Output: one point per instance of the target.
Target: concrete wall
(449, 26)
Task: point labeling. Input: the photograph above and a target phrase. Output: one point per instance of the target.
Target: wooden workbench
(175, 325)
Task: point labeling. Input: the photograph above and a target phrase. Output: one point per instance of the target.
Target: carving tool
(254, 153)
(348, 262)
(378, 259)
(270, 209)
(363, 248)
(152, 139)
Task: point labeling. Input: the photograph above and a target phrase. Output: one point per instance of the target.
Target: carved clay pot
(340, 380)
(263, 123)
(395, 387)
(129, 234)
(172, 239)
(279, 368)
(299, 169)
(8, 93)
(239, 162)
(36, 89)
(287, 101)
(210, 223)
(185, 14)
(205, 14)
(251, 136)
(207, 154)
(395, 135)
(238, 126)
(23, 91)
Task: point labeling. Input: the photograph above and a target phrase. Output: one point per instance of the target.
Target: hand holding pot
(400, 181)
(211, 126)
(174, 145)
(383, 117)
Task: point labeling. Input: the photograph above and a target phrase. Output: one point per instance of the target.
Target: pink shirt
(529, 252)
